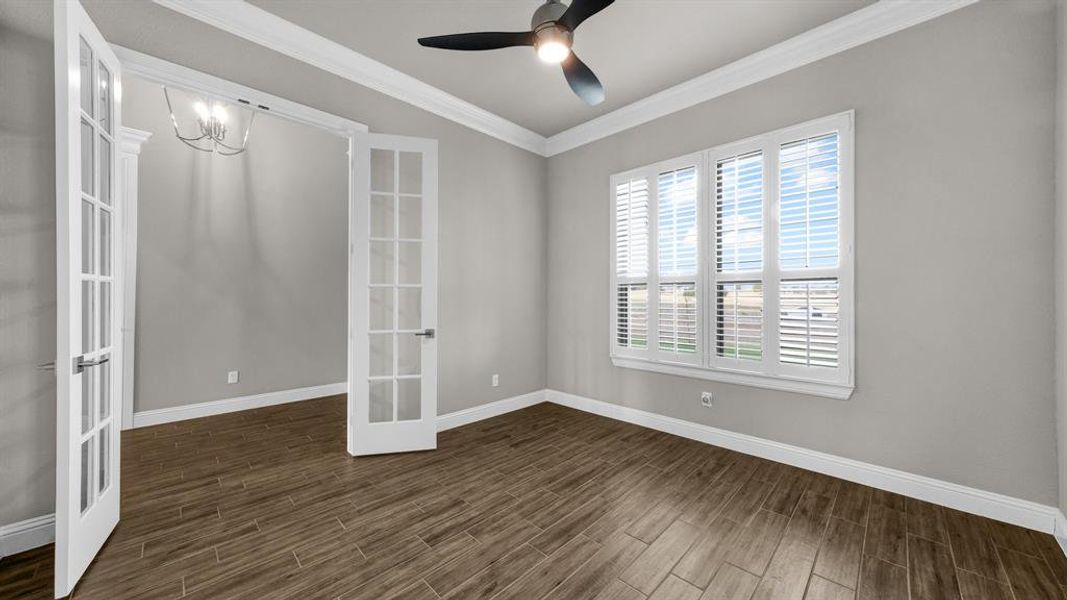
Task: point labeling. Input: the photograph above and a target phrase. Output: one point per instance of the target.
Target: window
(747, 250)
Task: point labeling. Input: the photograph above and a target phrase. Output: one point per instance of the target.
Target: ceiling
(636, 47)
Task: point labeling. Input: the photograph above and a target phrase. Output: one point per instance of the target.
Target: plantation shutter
(739, 289)
(677, 244)
(809, 252)
(632, 237)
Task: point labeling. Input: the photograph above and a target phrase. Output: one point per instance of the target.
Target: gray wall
(954, 234)
(27, 272)
(1061, 246)
(492, 215)
(241, 259)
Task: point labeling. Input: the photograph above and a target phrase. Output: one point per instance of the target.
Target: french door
(88, 360)
(393, 358)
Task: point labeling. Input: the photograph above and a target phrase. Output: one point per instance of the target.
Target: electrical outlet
(233, 376)
(496, 380)
(705, 399)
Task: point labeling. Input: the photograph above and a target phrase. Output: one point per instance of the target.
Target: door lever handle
(80, 363)
(48, 366)
(427, 333)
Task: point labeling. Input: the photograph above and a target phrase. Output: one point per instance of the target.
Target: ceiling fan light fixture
(552, 52)
(553, 43)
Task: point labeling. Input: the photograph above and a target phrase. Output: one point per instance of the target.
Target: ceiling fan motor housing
(547, 13)
(546, 28)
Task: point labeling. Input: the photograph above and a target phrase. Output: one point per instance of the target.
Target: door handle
(80, 363)
(48, 366)
(427, 333)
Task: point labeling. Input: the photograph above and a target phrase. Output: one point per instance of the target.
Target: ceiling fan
(552, 34)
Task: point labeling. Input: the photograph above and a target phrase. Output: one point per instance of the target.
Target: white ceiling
(636, 47)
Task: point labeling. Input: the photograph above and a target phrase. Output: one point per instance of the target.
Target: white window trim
(705, 364)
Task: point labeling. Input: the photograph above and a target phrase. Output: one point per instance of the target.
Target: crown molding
(261, 27)
(867, 24)
(131, 140)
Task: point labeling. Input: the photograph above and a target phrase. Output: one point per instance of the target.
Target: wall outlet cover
(233, 376)
(705, 399)
(496, 380)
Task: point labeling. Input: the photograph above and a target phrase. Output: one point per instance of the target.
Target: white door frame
(163, 72)
(130, 142)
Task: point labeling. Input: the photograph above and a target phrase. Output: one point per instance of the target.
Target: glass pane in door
(104, 314)
(381, 308)
(88, 236)
(88, 300)
(87, 168)
(410, 175)
(87, 401)
(104, 85)
(382, 171)
(105, 171)
(86, 474)
(409, 308)
(85, 74)
(381, 401)
(105, 242)
(409, 400)
(104, 390)
(103, 475)
(381, 354)
(410, 259)
(409, 354)
(410, 217)
(382, 262)
(382, 216)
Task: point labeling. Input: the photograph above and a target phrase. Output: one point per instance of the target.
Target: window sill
(799, 386)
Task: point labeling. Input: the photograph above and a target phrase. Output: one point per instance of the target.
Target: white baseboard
(1061, 531)
(1024, 513)
(27, 535)
(487, 411)
(228, 405)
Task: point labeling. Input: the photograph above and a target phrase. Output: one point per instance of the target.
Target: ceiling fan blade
(582, 80)
(581, 10)
(486, 40)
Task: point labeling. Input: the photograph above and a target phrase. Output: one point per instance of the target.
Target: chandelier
(211, 123)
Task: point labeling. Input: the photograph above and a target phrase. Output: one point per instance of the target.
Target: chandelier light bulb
(201, 111)
(219, 113)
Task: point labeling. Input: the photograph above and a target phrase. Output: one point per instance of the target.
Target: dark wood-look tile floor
(546, 502)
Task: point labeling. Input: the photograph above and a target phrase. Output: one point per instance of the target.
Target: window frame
(770, 373)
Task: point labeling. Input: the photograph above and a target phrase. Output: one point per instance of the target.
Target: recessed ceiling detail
(552, 34)
(712, 48)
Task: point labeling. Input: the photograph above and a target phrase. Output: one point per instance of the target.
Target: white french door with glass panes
(88, 358)
(393, 375)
